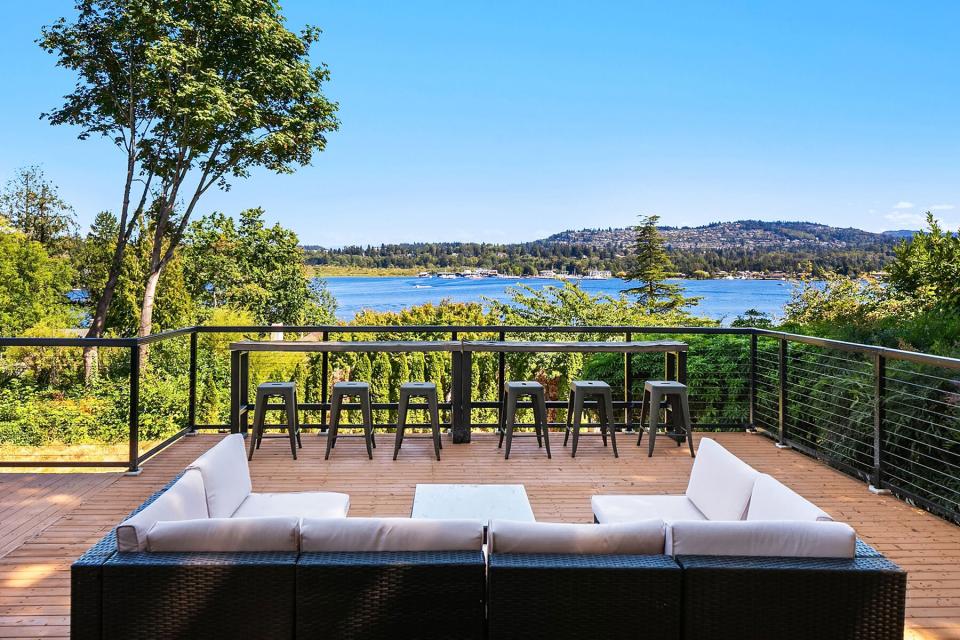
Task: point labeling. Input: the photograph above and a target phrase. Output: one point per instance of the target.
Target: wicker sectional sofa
(323, 575)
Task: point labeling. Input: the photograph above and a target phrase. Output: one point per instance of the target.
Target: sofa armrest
(390, 594)
(580, 596)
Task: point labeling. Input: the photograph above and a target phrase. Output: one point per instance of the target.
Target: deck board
(47, 520)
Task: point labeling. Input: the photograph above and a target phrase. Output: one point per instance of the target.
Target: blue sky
(505, 121)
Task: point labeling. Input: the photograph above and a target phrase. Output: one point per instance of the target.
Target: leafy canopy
(32, 205)
(927, 267)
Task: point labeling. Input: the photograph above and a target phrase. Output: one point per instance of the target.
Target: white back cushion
(390, 534)
(642, 537)
(720, 482)
(185, 500)
(762, 538)
(772, 500)
(226, 477)
(226, 534)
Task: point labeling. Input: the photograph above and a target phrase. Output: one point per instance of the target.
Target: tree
(926, 267)
(33, 285)
(651, 268)
(254, 267)
(195, 94)
(33, 206)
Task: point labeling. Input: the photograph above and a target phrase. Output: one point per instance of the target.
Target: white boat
(447, 276)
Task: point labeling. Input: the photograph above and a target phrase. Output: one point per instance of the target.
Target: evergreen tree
(650, 270)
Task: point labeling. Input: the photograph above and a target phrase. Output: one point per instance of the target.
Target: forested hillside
(749, 245)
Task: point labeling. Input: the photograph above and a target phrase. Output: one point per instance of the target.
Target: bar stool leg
(577, 417)
(367, 422)
(435, 423)
(401, 421)
(509, 419)
(540, 416)
(296, 418)
(566, 429)
(537, 427)
(654, 420)
(606, 415)
(601, 420)
(503, 414)
(334, 424)
(644, 408)
(291, 409)
(688, 425)
(257, 424)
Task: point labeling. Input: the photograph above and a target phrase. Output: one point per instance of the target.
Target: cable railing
(889, 417)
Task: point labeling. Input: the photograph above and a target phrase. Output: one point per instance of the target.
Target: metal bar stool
(428, 391)
(512, 392)
(288, 392)
(672, 397)
(582, 391)
(361, 391)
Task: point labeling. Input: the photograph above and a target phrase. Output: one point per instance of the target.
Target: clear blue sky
(507, 121)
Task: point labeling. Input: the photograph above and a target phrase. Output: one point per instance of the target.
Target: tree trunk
(146, 309)
(99, 321)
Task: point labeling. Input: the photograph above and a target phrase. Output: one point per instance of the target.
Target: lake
(722, 300)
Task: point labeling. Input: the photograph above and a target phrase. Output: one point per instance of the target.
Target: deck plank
(47, 520)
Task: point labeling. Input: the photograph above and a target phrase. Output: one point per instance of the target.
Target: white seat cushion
(772, 500)
(720, 482)
(185, 500)
(644, 537)
(609, 509)
(390, 534)
(762, 538)
(226, 477)
(226, 534)
(301, 504)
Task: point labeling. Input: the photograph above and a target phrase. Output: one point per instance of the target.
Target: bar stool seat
(582, 391)
(512, 392)
(287, 391)
(428, 391)
(670, 396)
(351, 389)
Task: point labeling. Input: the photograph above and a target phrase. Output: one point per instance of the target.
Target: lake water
(722, 300)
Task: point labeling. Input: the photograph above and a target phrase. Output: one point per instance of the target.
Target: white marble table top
(482, 502)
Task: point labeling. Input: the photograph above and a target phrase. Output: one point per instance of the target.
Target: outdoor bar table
(675, 366)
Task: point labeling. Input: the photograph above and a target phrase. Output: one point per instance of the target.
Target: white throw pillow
(720, 482)
(642, 537)
(226, 477)
(226, 534)
(762, 538)
(185, 500)
(389, 534)
(772, 500)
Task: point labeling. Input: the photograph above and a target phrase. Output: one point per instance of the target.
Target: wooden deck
(47, 520)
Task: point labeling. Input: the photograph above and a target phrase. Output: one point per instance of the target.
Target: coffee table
(483, 502)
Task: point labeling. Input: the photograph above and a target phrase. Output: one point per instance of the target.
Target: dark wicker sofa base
(455, 595)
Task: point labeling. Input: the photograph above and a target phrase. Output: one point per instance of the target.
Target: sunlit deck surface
(47, 520)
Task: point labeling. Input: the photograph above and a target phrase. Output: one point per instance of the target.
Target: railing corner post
(752, 418)
(782, 404)
(879, 417)
(192, 409)
(133, 468)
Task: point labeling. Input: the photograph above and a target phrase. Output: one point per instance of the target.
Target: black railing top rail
(839, 345)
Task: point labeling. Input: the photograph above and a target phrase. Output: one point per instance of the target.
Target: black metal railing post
(501, 376)
(879, 418)
(192, 409)
(628, 387)
(753, 382)
(324, 382)
(134, 458)
(782, 404)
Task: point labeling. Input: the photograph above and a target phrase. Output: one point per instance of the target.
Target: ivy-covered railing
(887, 416)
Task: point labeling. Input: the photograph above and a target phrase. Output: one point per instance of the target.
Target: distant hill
(744, 246)
(749, 234)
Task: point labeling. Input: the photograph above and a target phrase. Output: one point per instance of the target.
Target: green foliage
(32, 205)
(650, 269)
(33, 285)
(927, 267)
(248, 265)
